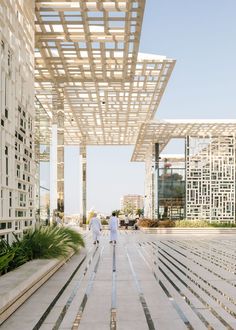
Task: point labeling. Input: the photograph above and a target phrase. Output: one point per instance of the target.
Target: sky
(201, 36)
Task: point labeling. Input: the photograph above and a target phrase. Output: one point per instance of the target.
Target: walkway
(144, 282)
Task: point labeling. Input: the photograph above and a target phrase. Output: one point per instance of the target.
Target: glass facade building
(201, 185)
(171, 190)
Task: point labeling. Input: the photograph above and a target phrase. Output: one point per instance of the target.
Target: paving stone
(135, 278)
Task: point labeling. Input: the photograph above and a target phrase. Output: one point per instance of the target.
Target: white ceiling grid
(163, 131)
(90, 48)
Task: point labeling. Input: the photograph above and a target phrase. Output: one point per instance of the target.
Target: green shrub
(191, 223)
(166, 223)
(222, 225)
(202, 223)
(6, 256)
(155, 223)
(51, 242)
(148, 223)
(104, 222)
(182, 224)
(11, 256)
(40, 243)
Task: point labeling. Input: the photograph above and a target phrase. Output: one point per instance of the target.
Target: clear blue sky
(201, 36)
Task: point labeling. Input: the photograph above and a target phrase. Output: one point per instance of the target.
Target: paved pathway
(144, 282)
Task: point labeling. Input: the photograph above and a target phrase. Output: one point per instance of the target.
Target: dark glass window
(3, 225)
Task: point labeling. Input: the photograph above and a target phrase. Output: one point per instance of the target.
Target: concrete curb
(195, 231)
(18, 285)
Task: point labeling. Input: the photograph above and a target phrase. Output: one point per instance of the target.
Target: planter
(19, 284)
(185, 231)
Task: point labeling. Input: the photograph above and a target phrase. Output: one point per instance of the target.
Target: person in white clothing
(126, 221)
(113, 226)
(96, 226)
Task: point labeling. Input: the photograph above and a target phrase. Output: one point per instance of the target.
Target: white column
(150, 195)
(57, 152)
(60, 161)
(83, 162)
(53, 170)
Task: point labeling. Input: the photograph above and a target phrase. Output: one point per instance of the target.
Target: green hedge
(223, 225)
(191, 223)
(182, 224)
(147, 223)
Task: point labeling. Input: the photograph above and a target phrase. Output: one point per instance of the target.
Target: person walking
(113, 226)
(96, 226)
(126, 221)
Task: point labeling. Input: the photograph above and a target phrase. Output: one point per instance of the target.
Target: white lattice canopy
(164, 130)
(89, 49)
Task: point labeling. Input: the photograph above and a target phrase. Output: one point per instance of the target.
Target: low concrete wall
(185, 231)
(19, 284)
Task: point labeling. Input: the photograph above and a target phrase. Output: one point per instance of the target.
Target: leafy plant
(148, 223)
(183, 224)
(40, 243)
(222, 225)
(203, 223)
(139, 212)
(166, 223)
(11, 256)
(6, 256)
(51, 242)
(191, 223)
(117, 212)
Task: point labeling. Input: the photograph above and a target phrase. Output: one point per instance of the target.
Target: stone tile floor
(164, 282)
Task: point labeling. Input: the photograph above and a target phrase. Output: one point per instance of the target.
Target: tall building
(17, 160)
(134, 202)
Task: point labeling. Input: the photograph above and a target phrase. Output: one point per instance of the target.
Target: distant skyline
(200, 35)
(110, 175)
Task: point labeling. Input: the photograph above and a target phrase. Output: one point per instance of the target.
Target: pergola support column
(83, 161)
(53, 169)
(156, 173)
(150, 187)
(57, 153)
(60, 162)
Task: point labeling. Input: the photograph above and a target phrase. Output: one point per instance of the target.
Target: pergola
(162, 131)
(91, 82)
(209, 162)
(87, 63)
